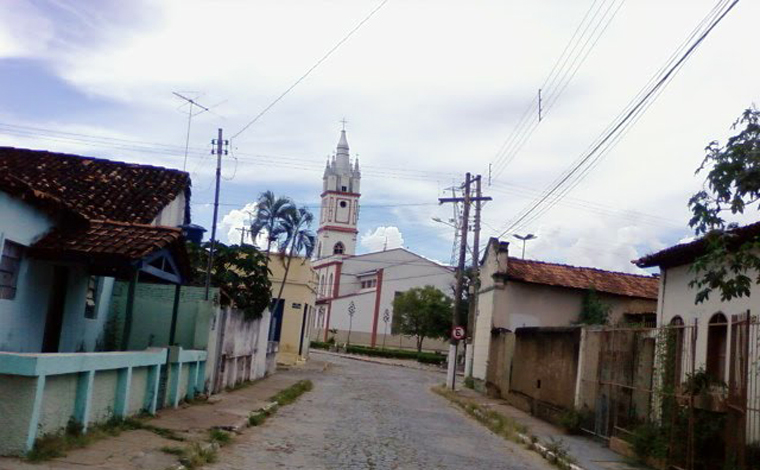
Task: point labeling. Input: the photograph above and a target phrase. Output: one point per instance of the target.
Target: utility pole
(455, 320)
(220, 144)
(475, 280)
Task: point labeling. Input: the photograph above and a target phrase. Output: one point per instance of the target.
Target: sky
(430, 90)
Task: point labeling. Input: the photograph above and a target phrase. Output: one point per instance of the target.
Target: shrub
(320, 345)
(649, 440)
(424, 357)
(571, 420)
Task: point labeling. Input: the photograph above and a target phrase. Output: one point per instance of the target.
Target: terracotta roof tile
(97, 189)
(127, 242)
(684, 253)
(562, 275)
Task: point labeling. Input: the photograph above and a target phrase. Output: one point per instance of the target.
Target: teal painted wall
(153, 314)
(78, 332)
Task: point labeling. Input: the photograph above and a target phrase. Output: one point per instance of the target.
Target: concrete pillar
(84, 398)
(175, 376)
(123, 384)
(200, 376)
(34, 419)
(192, 377)
(151, 392)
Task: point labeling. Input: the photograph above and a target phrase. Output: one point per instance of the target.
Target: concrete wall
(240, 349)
(360, 338)
(501, 354)
(545, 366)
(152, 315)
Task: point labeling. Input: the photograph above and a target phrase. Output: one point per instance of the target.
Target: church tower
(340, 204)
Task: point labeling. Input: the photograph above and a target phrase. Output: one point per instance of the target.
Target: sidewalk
(174, 428)
(588, 453)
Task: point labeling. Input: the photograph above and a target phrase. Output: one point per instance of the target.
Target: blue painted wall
(22, 319)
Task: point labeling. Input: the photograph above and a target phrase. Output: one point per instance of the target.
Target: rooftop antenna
(190, 116)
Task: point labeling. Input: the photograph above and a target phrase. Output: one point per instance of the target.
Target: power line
(313, 67)
(557, 80)
(611, 136)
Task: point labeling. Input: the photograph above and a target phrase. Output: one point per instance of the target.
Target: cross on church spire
(344, 122)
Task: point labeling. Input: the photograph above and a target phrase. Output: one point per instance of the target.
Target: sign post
(351, 311)
(386, 319)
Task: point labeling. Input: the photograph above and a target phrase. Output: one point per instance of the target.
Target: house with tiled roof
(715, 322)
(518, 293)
(70, 226)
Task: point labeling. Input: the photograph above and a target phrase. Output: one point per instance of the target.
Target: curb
(532, 443)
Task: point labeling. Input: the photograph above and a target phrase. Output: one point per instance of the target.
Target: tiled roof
(97, 189)
(562, 275)
(684, 253)
(108, 242)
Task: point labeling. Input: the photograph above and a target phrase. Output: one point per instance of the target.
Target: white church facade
(355, 292)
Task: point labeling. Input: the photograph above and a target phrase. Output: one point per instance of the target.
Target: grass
(55, 445)
(291, 394)
(178, 451)
(220, 437)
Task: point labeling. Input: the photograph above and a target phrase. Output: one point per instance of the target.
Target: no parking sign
(458, 332)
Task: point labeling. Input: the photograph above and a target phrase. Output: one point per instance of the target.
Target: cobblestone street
(369, 416)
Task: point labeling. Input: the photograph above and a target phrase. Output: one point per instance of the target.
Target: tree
(298, 239)
(593, 310)
(239, 271)
(732, 185)
(271, 212)
(422, 312)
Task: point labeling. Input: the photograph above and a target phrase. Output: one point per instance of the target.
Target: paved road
(369, 416)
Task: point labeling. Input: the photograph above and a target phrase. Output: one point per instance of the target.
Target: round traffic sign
(458, 332)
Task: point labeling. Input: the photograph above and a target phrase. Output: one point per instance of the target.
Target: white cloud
(382, 237)
(235, 220)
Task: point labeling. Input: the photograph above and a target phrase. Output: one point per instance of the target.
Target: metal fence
(688, 401)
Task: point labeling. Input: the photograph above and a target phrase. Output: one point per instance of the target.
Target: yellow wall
(300, 291)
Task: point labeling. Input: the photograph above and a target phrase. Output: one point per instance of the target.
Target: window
(338, 249)
(9, 267)
(342, 203)
(344, 188)
(717, 332)
(369, 283)
(91, 301)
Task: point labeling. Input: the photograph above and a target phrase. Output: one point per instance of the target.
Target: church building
(355, 292)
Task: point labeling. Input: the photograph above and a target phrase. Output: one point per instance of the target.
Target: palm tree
(271, 213)
(298, 239)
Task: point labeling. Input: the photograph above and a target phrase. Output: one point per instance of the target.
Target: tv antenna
(190, 116)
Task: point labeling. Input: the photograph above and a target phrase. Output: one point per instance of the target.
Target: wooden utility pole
(475, 280)
(467, 199)
(218, 151)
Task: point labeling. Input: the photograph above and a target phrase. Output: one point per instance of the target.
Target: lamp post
(386, 319)
(351, 311)
(524, 239)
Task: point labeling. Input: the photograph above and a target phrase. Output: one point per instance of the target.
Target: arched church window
(342, 203)
(717, 335)
(339, 249)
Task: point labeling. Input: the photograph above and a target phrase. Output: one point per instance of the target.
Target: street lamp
(449, 222)
(351, 311)
(386, 319)
(524, 239)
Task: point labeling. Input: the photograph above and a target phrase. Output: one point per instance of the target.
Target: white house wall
(678, 299)
(173, 214)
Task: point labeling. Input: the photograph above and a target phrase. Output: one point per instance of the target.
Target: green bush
(649, 440)
(571, 420)
(424, 357)
(320, 345)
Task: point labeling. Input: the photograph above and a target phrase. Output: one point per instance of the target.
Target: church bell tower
(339, 215)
